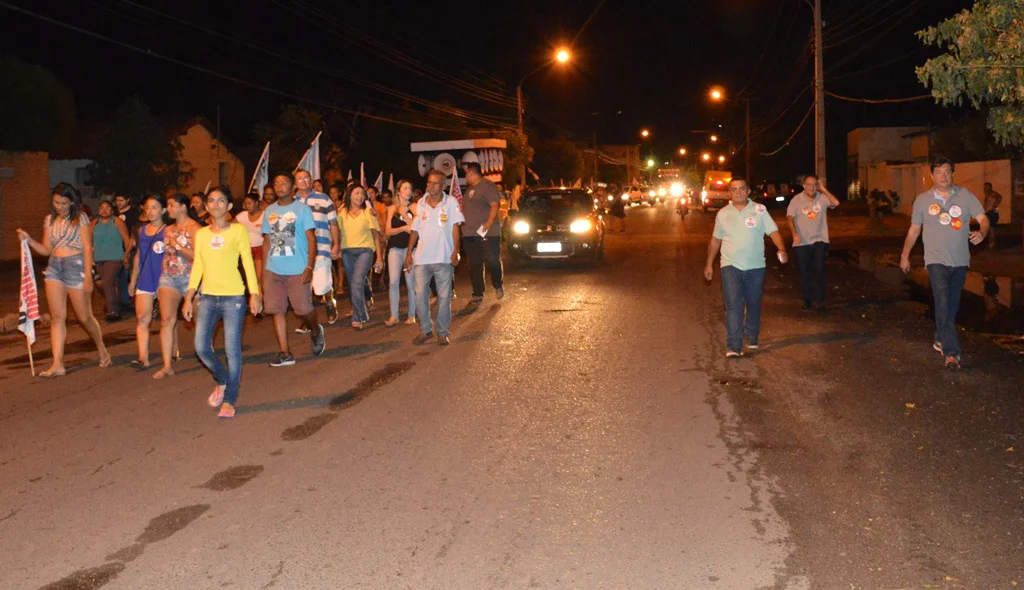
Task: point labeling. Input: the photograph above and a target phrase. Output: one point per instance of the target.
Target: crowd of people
(214, 258)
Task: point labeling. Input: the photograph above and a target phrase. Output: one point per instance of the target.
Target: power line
(797, 130)
(215, 73)
(878, 100)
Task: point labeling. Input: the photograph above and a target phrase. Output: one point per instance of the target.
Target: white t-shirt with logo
(434, 226)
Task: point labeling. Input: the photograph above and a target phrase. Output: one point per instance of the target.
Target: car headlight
(625, 196)
(580, 226)
(676, 189)
(611, 198)
(662, 192)
(780, 198)
(704, 195)
(651, 193)
(521, 227)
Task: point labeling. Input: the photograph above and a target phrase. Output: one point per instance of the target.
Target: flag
(260, 176)
(578, 183)
(391, 183)
(207, 189)
(310, 161)
(28, 305)
(379, 183)
(362, 175)
(456, 190)
(350, 175)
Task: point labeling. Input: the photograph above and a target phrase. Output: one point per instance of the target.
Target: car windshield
(555, 201)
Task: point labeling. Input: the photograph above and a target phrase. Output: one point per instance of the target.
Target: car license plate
(549, 247)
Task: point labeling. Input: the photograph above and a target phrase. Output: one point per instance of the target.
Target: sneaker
(302, 329)
(283, 360)
(318, 340)
(953, 363)
(754, 346)
(937, 346)
(733, 354)
(332, 313)
(476, 300)
(443, 340)
(112, 318)
(422, 338)
(499, 293)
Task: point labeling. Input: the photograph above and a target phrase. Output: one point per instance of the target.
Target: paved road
(585, 432)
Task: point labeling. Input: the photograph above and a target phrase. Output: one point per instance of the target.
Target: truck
(715, 193)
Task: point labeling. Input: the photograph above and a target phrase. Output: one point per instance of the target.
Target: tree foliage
(135, 155)
(37, 112)
(983, 64)
(558, 158)
(290, 135)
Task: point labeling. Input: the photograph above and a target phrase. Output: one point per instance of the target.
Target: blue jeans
(742, 288)
(231, 309)
(947, 285)
(443, 274)
(396, 261)
(357, 263)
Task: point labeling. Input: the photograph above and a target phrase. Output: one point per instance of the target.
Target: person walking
(360, 247)
(110, 242)
(179, 250)
(617, 210)
(432, 254)
(198, 204)
(146, 271)
(128, 213)
(943, 214)
(325, 217)
(289, 253)
(67, 240)
(992, 202)
(482, 238)
(808, 223)
(269, 196)
(220, 247)
(399, 226)
(739, 233)
(251, 218)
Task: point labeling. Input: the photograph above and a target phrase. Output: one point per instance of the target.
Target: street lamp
(716, 94)
(562, 56)
(714, 138)
(706, 157)
(645, 133)
(682, 151)
(650, 163)
(721, 159)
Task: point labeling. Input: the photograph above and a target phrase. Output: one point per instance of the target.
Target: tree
(37, 112)
(290, 135)
(559, 158)
(135, 155)
(983, 64)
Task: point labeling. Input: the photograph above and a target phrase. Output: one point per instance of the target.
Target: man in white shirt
(433, 255)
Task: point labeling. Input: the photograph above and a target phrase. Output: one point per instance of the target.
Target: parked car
(556, 223)
(776, 194)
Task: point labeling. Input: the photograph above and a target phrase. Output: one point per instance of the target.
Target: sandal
(139, 364)
(391, 322)
(217, 397)
(163, 372)
(106, 362)
(410, 321)
(49, 373)
(358, 325)
(226, 411)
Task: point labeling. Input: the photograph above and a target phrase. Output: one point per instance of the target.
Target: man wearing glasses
(739, 233)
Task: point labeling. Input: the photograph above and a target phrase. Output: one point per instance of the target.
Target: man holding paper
(481, 239)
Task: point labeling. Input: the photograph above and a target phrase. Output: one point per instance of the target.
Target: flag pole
(31, 361)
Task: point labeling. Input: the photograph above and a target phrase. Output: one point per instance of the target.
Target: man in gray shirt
(481, 238)
(944, 213)
(806, 217)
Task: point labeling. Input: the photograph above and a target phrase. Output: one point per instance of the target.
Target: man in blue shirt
(328, 241)
(739, 233)
(289, 253)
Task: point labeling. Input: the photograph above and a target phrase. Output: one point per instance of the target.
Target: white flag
(207, 189)
(350, 175)
(28, 308)
(362, 175)
(310, 161)
(379, 183)
(391, 183)
(259, 177)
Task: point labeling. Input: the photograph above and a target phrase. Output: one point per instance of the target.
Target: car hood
(558, 217)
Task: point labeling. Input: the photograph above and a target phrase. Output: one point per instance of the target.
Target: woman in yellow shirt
(218, 248)
(360, 237)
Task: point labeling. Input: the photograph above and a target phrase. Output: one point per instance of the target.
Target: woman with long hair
(110, 241)
(149, 260)
(398, 229)
(360, 241)
(67, 240)
(179, 240)
(219, 248)
(252, 218)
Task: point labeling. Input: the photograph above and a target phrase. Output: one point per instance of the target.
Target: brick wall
(24, 198)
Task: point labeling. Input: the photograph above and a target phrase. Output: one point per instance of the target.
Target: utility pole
(749, 146)
(819, 96)
(522, 134)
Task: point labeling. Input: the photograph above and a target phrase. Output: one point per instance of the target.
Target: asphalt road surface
(584, 432)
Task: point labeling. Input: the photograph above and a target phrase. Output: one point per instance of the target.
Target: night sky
(641, 63)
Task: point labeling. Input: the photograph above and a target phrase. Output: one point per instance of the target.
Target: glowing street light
(650, 163)
(721, 159)
(645, 133)
(716, 94)
(563, 55)
(682, 151)
(714, 138)
(706, 157)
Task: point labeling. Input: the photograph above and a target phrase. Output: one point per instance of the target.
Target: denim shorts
(179, 284)
(67, 270)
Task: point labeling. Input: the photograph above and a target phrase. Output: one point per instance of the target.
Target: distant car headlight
(662, 192)
(521, 227)
(625, 196)
(651, 193)
(704, 195)
(580, 226)
(611, 198)
(676, 189)
(780, 198)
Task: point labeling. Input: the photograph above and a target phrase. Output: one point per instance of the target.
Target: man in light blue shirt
(740, 228)
(435, 233)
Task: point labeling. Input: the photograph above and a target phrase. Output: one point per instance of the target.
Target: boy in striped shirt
(328, 241)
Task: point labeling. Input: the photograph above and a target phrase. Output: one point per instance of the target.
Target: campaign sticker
(806, 211)
(817, 208)
(956, 224)
(273, 218)
(812, 215)
(182, 240)
(944, 219)
(760, 208)
(442, 219)
(426, 216)
(289, 217)
(158, 247)
(471, 192)
(217, 242)
(934, 209)
(751, 222)
(955, 211)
